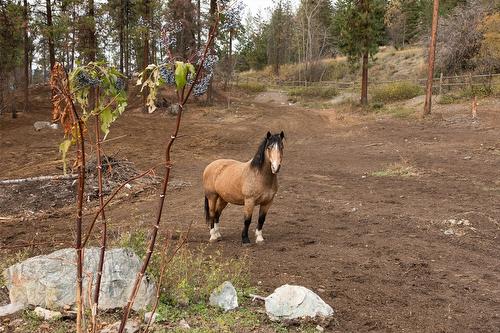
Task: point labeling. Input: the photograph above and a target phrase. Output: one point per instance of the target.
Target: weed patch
(315, 91)
(252, 87)
(397, 170)
(397, 91)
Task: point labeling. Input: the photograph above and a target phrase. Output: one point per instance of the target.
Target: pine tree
(360, 25)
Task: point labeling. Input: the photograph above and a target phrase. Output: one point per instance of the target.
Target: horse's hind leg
(219, 207)
(262, 218)
(211, 203)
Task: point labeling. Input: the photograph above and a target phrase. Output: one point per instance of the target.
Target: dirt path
(374, 247)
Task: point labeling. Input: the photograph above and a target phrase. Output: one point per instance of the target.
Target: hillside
(388, 64)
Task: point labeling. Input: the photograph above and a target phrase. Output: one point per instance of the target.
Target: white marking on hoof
(214, 235)
(259, 239)
(217, 230)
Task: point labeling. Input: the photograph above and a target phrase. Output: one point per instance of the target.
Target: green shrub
(466, 94)
(396, 91)
(314, 91)
(252, 87)
(191, 275)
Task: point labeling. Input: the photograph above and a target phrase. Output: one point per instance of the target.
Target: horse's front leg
(247, 214)
(262, 218)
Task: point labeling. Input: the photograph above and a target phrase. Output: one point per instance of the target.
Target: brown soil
(374, 247)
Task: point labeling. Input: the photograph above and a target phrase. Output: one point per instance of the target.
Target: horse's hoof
(214, 240)
(246, 244)
(259, 242)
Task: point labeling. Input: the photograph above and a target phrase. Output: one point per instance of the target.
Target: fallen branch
(39, 178)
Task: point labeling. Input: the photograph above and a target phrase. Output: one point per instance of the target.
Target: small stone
(184, 324)
(47, 314)
(224, 297)
(132, 326)
(38, 125)
(466, 222)
(449, 232)
(320, 328)
(147, 315)
(467, 157)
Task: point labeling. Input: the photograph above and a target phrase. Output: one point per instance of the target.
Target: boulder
(49, 280)
(290, 302)
(224, 297)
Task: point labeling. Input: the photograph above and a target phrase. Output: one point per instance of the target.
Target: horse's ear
(268, 135)
(282, 135)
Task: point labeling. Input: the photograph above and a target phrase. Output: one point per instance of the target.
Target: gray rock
(295, 302)
(9, 309)
(224, 297)
(184, 324)
(47, 314)
(39, 125)
(49, 280)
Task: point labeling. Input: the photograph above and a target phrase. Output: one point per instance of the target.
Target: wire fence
(441, 85)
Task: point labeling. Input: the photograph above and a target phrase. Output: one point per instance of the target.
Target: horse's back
(224, 177)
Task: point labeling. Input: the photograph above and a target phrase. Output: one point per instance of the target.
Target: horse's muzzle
(277, 169)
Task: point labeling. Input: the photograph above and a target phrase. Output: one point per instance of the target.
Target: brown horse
(252, 183)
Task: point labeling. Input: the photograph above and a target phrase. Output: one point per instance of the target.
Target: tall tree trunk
(145, 53)
(92, 47)
(198, 23)
(364, 76)
(126, 39)
(26, 59)
(50, 38)
(213, 9)
(364, 80)
(120, 32)
(432, 54)
(73, 37)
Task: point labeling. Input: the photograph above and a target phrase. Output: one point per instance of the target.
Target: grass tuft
(397, 170)
(314, 91)
(252, 87)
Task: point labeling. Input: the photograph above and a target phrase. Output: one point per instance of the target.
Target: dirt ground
(414, 253)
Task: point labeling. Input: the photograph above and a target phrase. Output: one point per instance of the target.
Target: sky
(255, 5)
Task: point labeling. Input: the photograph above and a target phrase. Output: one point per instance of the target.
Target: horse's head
(274, 150)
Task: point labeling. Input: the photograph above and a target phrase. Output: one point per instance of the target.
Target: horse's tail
(207, 213)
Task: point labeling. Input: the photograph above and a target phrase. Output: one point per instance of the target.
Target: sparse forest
(132, 132)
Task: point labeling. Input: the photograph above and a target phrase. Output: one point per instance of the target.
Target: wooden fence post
(474, 107)
(441, 84)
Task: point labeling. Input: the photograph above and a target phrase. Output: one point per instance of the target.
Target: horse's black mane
(259, 157)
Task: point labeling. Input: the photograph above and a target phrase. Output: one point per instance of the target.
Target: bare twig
(182, 241)
(182, 99)
(95, 305)
(72, 122)
(118, 189)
